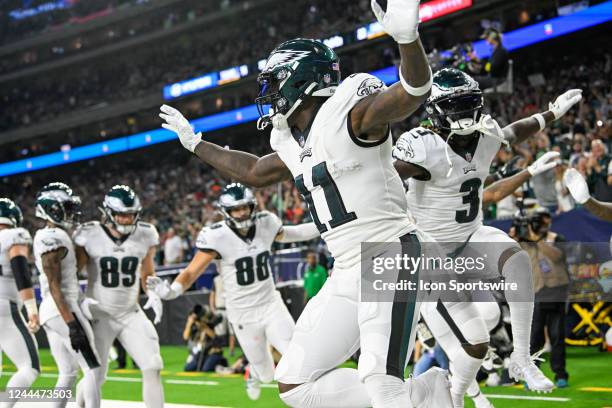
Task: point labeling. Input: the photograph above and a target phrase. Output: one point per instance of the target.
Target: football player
(242, 244)
(333, 139)
(16, 290)
(69, 332)
(118, 254)
(446, 167)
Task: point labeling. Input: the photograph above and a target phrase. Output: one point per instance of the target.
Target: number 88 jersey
(243, 262)
(114, 264)
(446, 206)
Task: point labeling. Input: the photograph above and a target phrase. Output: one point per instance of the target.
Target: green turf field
(590, 384)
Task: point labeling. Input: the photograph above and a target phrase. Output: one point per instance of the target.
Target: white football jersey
(352, 189)
(8, 238)
(244, 261)
(47, 240)
(448, 208)
(113, 269)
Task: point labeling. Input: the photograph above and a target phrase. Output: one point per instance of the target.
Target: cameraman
(550, 284)
(206, 348)
(499, 63)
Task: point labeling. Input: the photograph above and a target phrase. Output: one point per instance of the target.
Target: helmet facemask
(458, 114)
(59, 209)
(234, 196)
(116, 204)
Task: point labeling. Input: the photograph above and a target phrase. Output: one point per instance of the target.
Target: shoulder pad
(20, 236)
(361, 85)
(410, 148)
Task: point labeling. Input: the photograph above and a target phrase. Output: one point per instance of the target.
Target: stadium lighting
(513, 40)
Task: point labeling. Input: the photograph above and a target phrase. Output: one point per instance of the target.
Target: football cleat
(528, 372)
(436, 383)
(253, 386)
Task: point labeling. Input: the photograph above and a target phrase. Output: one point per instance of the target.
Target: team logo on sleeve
(369, 86)
(403, 149)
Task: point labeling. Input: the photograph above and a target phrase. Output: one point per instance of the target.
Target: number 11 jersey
(244, 261)
(353, 192)
(446, 206)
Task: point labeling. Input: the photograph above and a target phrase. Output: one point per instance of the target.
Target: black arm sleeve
(21, 271)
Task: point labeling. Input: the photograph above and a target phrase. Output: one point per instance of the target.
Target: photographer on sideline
(550, 283)
(205, 347)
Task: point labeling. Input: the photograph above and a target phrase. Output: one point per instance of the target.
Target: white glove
(176, 122)
(86, 306)
(546, 162)
(163, 289)
(564, 102)
(154, 302)
(576, 185)
(400, 19)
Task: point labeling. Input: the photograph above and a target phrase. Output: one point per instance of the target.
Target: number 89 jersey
(449, 208)
(244, 261)
(114, 265)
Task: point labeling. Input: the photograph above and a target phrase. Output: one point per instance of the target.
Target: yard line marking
(524, 397)
(191, 382)
(596, 389)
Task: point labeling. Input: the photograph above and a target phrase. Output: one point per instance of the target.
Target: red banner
(438, 8)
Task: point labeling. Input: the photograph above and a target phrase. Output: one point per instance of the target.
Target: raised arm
(241, 166)
(523, 129)
(371, 116)
(580, 191)
(52, 268)
(184, 280)
(504, 187)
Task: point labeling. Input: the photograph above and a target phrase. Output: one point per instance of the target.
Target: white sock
(388, 391)
(152, 389)
(91, 391)
(463, 369)
(339, 388)
(518, 269)
(65, 381)
(23, 378)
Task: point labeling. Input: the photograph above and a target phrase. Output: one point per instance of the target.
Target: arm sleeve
(49, 241)
(298, 233)
(21, 271)
(205, 240)
(153, 237)
(411, 148)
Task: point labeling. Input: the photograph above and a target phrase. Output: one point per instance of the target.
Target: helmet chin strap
(279, 120)
(486, 125)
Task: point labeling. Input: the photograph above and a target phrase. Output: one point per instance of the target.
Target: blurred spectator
(497, 68)
(173, 248)
(315, 276)
(550, 284)
(599, 171)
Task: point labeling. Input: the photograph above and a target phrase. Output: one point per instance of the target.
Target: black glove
(78, 338)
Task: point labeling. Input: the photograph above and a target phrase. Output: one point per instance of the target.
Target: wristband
(177, 289)
(421, 90)
(31, 308)
(540, 119)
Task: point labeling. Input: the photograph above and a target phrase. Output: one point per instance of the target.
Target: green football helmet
(57, 204)
(10, 213)
(121, 199)
(295, 70)
(456, 102)
(236, 195)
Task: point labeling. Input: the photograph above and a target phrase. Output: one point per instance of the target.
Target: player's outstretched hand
(154, 302)
(576, 185)
(399, 18)
(176, 122)
(564, 102)
(86, 305)
(549, 160)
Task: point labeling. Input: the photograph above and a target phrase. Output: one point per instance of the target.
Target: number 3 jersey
(352, 189)
(243, 262)
(114, 264)
(447, 206)
(8, 238)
